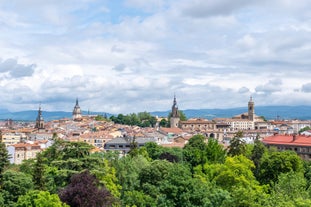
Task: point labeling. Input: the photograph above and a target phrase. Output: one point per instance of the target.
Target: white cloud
(133, 55)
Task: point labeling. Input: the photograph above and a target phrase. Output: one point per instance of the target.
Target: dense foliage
(142, 119)
(203, 173)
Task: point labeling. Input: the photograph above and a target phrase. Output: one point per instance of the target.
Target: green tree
(163, 123)
(275, 163)
(138, 199)
(38, 173)
(194, 151)
(235, 176)
(304, 129)
(154, 150)
(4, 158)
(237, 145)
(100, 118)
(15, 184)
(289, 190)
(215, 152)
(127, 171)
(257, 153)
(36, 198)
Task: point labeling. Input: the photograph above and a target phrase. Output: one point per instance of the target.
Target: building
(174, 120)
(123, 144)
(39, 121)
(301, 144)
(25, 151)
(9, 138)
(76, 114)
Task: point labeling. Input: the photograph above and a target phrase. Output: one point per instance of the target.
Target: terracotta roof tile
(288, 140)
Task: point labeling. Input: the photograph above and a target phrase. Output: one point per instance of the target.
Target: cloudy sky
(122, 56)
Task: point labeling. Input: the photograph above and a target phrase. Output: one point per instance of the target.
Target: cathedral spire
(174, 120)
(39, 120)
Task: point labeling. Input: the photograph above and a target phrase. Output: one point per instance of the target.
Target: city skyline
(133, 55)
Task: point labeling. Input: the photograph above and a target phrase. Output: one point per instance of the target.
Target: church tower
(39, 120)
(174, 120)
(251, 109)
(76, 114)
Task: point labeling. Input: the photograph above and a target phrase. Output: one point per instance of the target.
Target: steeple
(251, 109)
(174, 120)
(175, 108)
(39, 120)
(76, 114)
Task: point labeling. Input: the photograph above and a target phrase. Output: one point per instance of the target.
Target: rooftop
(296, 140)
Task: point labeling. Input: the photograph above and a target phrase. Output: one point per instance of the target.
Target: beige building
(25, 151)
(11, 138)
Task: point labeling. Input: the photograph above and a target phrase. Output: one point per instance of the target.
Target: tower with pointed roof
(174, 120)
(76, 114)
(39, 121)
(251, 109)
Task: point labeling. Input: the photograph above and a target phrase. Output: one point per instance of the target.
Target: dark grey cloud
(270, 87)
(15, 69)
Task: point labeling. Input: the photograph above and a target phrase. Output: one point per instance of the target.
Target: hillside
(269, 112)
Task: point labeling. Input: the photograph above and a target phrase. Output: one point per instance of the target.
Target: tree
(215, 152)
(275, 163)
(36, 198)
(4, 158)
(289, 190)
(235, 176)
(163, 123)
(194, 151)
(38, 174)
(257, 153)
(237, 145)
(154, 150)
(138, 199)
(100, 118)
(15, 184)
(304, 129)
(84, 190)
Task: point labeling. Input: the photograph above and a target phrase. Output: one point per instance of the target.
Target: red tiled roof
(288, 140)
(171, 130)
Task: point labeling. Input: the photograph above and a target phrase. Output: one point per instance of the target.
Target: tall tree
(194, 151)
(84, 190)
(215, 152)
(4, 158)
(237, 145)
(257, 153)
(38, 174)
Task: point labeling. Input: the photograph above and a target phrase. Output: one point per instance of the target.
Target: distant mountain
(31, 115)
(269, 112)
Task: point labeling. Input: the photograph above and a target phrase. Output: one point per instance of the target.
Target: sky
(126, 56)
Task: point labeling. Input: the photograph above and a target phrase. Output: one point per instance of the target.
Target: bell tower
(39, 120)
(174, 120)
(251, 109)
(76, 114)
